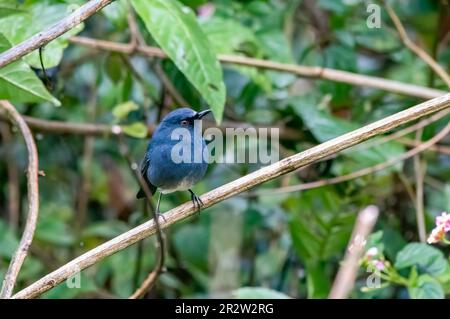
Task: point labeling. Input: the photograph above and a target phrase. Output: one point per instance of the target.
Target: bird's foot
(196, 201)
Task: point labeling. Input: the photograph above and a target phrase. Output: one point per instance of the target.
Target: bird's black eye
(184, 122)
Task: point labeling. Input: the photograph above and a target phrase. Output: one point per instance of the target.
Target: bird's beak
(201, 114)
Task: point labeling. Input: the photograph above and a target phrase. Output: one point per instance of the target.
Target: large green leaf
(319, 225)
(427, 288)
(38, 16)
(425, 257)
(227, 36)
(18, 83)
(317, 279)
(177, 31)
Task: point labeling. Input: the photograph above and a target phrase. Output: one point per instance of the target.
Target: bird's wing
(144, 167)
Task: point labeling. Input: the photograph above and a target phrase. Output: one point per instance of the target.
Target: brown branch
(13, 177)
(345, 278)
(33, 201)
(415, 48)
(170, 87)
(300, 70)
(410, 129)
(233, 188)
(443, 149)
(419, 172)
(365, 171)
(61, 127)
(42, 38)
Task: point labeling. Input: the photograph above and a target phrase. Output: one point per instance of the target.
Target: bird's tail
(141, 193)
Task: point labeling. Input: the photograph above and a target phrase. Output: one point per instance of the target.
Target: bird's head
(183, 117)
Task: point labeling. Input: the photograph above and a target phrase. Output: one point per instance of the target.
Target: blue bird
(165, 167)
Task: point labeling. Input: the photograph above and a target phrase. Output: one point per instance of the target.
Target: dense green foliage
(286, 244)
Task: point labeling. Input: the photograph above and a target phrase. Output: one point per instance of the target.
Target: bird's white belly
(183, 186)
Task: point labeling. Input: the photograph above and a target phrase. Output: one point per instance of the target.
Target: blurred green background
(286, 244)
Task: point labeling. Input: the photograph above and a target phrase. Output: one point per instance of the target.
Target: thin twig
(33, 201)
(419, 172)
(300, 70)
(88, 152)
(159, 267)
(395, 136)
(233, 188)
(419, 166)
(365, 171)
(42, 38)
(415, 48)
(345, 278)
(442, 149)
(95, 129)
(13, 177)
(170, 87)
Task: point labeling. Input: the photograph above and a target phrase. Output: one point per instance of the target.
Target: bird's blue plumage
(160, 169)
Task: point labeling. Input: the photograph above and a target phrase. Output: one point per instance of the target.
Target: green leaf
(54, 231)
(36, 17)
(257, 293)
(427, 288)
(137, 130)
(122, 110)
(8, 8)
(176, 30)
(227, 36)
(319, 225)
(426, 258)
(18, 83)
(317, 279)
(191, 243)
(117, 13)
(325, 126)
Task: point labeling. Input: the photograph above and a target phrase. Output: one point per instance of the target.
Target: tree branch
(94, 129)
(42, 38)
(362, 172)
(345, 278)
(415, 48)
(233, 188)
(33, 201)
(300, 70)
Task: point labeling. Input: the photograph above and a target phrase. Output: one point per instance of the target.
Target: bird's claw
(197, 202)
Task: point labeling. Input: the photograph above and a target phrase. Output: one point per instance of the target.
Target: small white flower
(373, 251)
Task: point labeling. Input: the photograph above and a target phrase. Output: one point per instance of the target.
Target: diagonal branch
(346, 276)
(300, 70)
(415, 48)
(33, 201)
(234, 188)
(42, 38)
(362, 172)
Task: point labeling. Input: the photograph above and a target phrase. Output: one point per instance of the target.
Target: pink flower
(206, 10)
(379, 264)
(442, 226)
(443, 221)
